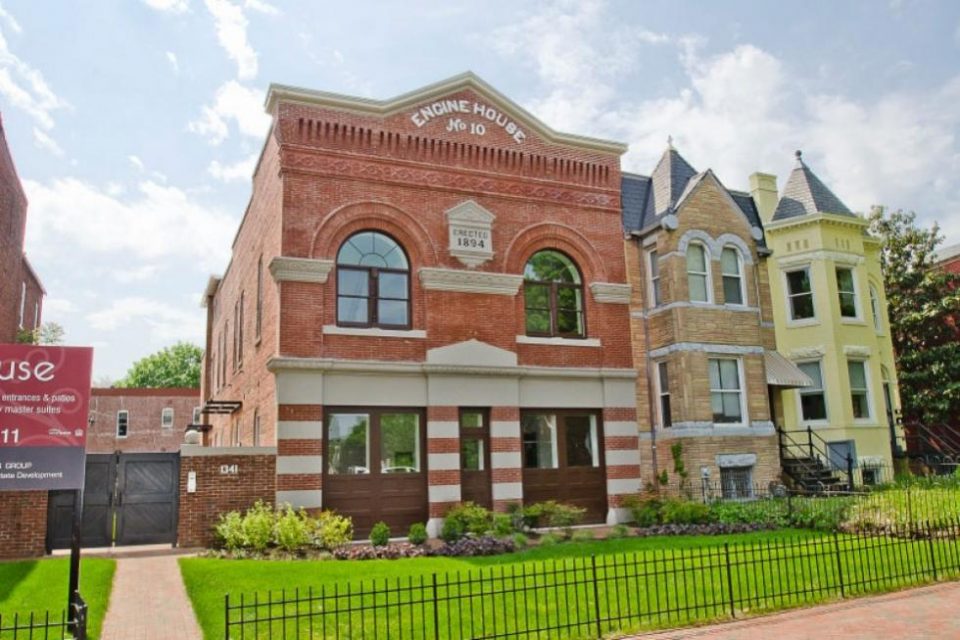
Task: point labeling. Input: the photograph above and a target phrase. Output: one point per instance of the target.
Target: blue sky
(135, 123)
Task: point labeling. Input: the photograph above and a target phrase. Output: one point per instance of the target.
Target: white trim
(289, 269)
(741, 390)
(823, 391)
(620, 429)
(706, 347)
(163, 421)
(305, 498)
(415, 334)
(857, 307)
(707, 429)
(559, 341)
(699, 305)
(199, 451)
(288, 465)
(623, 486)
(876, 308)
(799, 322)
(443, 461)
(443, 429)
(621, 457)
(820, 255)
(465, 281)
(507, 490)
(290, 430)
(868, 381)
(706, 273)
(506, 460)
(116, 428)
(443, 493)
(857, 351)
(725, 460)
(504, 428)
(611, 292)
(658, 393)
(648, 253)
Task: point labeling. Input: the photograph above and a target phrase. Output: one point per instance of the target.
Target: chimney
(763, 189)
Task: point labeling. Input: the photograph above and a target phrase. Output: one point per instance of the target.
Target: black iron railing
(597, 595)
(62, 625)
(805, 456)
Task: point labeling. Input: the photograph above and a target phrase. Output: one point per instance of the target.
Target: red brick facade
(23, 524)
(146, 430)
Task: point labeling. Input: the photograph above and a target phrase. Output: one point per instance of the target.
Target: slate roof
(804, 194)
(645, 200)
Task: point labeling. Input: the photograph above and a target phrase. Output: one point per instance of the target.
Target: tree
(924, 311)
(46, 333)
(176, 366)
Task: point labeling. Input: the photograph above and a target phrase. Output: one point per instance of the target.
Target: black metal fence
(63, 625)
(591, 596)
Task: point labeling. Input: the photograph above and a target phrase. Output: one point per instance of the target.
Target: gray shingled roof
(668, 181)
(804, 194)
(633, 197)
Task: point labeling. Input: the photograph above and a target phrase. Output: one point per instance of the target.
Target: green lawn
(208, 580)
(41, 585)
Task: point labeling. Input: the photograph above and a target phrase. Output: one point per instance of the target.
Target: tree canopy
(175, 366)
(924, 310)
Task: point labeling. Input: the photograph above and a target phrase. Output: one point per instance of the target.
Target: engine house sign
(471, 234)
(468, 116)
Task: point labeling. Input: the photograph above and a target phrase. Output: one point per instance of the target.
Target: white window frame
(744, 418)
(856, 295)
(740, 275)
(823, 391)
(654, 289)
(256, 428)
(126, 416)
(749, 469)
(23, 301)
(166, 423)
(197, 415)
(876, 307)
(799, 322)
(661, 392)
(707, 262)
(867, 381)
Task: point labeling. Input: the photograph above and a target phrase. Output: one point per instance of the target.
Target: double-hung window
(123, 423)
(726, 391)
(166, 418)
(373, 282)
(875, 309)
(663, 391)
(859, 389)
(813, 404)
(653, 270)
(730, 266)
(698, 274)
(800, 294)
(847, 292)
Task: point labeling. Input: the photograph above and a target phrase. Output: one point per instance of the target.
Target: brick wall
(145, 433)
(23, 524)
(13, 219)
(218, 492)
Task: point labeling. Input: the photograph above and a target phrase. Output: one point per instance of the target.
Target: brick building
(948, 258)
(139, 420)
(427, 303)
(21, 293)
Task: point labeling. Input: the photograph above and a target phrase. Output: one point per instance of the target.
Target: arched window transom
(553, 296)
(373, 282)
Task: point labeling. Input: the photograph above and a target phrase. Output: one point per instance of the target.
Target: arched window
(698, 273)
(553, 295)
(731, 266)
(875, 307)
(373, 282)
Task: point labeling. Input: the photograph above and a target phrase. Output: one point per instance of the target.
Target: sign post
(44, 404)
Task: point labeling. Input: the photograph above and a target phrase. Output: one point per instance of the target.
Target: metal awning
(783, 373)
(221, 406)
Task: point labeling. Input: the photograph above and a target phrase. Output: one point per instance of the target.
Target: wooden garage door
(563, 460)
(375, 467)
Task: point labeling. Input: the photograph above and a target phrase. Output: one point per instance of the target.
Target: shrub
(520, 540)
(292, 529)
(684, 512)
(646, 513)
(519, 518)
(618, 531)
(229, 531)
(332, 531)
(257, 526)
(583, 535)
(452, 530)
(380, 534)
(417, 534)
(714, 529)
(482, 546)
(503, 525)
(473, 519)
(555, 514)
(550, 539)
(385, 552)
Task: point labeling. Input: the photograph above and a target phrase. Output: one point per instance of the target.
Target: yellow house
(830, 318)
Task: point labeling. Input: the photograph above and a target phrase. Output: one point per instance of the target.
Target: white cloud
(241, 170)
(136, 161)
(25, 87)
(262, 7)
(172, 58)
(165, 321)
(169, 6)
(10, 20)
(46, 143)
(231, 26)
(137, 274)
(154, 223)
(242, 105)
(58, 306)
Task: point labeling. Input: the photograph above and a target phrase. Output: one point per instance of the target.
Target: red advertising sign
(44, 404)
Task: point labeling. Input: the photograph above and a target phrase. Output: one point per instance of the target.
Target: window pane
(352, 310)
(731, 407)
(802, 306)
(568, 323)
(813, 406)
(696, 259)
(732, 292)
(471, 420)
(860, 408)
(729, 374)
(698, 288)
(353, 282)
(730, 262)
(812, 369)
(372, 249)
(539, 441)
(538, 321)
(799, 281)
(848, 305)
(714, 366)
(399, 443)
(716, 406)
(844, 280)
(392, 285)
(665, 413)
(536, 296)
(551, 266)
(858, 376)
(392, 312)
(654, 262)
(471, 454)
(347, 448)
(664, 378)
(581, 441)
(568, 297)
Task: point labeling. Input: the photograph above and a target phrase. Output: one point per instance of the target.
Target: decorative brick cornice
(503, 284)
(611, 292)
(286, 269)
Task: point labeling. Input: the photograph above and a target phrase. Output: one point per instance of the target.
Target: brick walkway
(917, 614)
(149, 602)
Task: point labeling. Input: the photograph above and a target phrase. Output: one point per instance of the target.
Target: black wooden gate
(129, 498)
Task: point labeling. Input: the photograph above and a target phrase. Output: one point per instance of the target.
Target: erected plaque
(44, 402)
(471, 233)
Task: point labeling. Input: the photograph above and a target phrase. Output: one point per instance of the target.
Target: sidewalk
(149, 601)
(917, 614)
